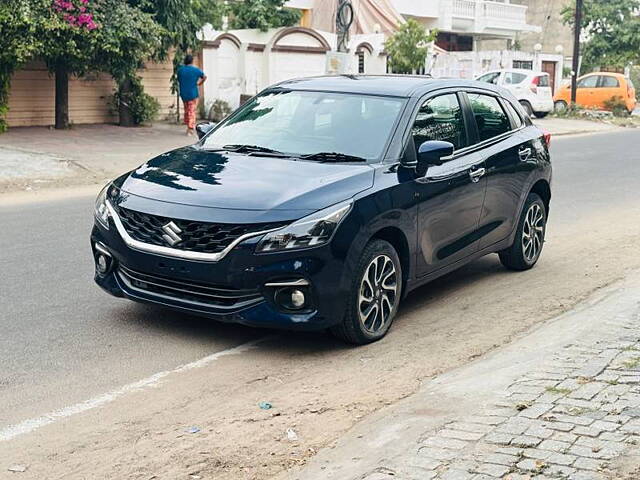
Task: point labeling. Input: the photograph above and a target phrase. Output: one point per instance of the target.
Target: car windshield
(343, 127)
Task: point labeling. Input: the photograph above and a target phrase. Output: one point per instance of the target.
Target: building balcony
(498, 18)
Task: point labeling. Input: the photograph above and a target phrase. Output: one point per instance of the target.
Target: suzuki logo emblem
(171, 233)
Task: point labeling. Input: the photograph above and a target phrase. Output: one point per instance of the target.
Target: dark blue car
(321, 202)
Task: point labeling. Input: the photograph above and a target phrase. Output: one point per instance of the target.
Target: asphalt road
(62, 340)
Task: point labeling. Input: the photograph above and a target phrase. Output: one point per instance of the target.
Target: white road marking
(32, 424)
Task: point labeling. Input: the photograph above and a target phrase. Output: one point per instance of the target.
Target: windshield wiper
(252, 149)
(333, 157)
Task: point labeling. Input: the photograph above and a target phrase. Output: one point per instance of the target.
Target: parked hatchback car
(532, 89)
(322, 202)
(596, 89)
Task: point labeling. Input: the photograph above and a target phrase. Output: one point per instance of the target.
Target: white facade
(498, 18)
(480, 18)
(244, 62)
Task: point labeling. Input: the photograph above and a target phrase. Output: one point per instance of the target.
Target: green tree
(18, 31)
(127, 38)
(261, 14)
(408, 47)
(612, 30)
(183, 21)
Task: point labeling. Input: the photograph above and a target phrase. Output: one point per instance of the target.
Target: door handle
(524, 154)
(477, 174)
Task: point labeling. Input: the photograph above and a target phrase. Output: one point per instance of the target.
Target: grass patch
(632, 363)
(558, 391)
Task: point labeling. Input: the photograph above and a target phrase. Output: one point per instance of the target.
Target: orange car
(595, 89)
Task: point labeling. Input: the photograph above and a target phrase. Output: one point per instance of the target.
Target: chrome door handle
(524, 154)
(476, 175)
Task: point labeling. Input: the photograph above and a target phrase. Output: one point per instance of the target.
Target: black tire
(518, 257)
(560, 106)
(352, 329)
(540, 114)
(527, 107)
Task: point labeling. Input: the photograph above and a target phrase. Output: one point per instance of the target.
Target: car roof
(608, 74)
(517, 70)
(388, 85)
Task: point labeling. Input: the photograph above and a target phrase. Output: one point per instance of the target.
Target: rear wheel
(527, 246)
(374, 297)
(540, 114)
(527, 107)
(560, 106)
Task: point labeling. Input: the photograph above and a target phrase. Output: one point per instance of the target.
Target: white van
(532, 89)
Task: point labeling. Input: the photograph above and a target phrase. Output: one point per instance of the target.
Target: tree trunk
(62, 98)
(126, 119)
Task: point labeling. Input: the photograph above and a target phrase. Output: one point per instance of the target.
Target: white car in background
(532, 89)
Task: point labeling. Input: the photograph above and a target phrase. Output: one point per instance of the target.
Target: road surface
(63, 341)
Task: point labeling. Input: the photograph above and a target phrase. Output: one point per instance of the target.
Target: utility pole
(576, 51)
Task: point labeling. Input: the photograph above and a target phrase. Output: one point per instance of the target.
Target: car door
(587, 91)
(608, 88)
(509, 159)
(450, 195)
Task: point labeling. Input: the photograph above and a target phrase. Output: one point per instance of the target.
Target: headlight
(312, 231)
(101, 211)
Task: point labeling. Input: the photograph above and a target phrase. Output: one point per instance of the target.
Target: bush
(617, 106)
(143, 107)
(218, 111)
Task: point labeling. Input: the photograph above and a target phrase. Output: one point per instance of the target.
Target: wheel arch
(543, 190)
(396, 237)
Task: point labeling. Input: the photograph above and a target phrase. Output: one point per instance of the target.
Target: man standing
(190, 78)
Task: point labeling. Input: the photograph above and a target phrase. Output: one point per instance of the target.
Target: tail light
(534, 84)
(547, 138)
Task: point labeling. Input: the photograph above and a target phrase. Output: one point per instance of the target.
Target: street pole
(576, 51)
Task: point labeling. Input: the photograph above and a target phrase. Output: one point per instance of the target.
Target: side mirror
(433, 152)
(204, 127)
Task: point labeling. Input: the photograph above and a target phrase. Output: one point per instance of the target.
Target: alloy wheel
(533, 233)
(378, 294)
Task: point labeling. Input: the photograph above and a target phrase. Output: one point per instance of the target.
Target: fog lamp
(297, 299)
(102, 264)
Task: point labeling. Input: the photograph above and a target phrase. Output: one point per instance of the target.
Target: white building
(461, 23)
(244, 62)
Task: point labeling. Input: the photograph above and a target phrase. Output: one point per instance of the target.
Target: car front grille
(191, 292)
(191, 236)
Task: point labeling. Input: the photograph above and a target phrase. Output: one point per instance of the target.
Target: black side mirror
(434, 152)
(204, 127)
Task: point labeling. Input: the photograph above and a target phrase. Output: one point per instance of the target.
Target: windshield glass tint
(302, 123)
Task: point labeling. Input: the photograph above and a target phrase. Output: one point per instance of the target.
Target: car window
(440, 118)
(302, 123)
(588, 82)
(517, 119)
(608, 82)
(490, 78)
(543, 81)
(513, 78)
(489, 115)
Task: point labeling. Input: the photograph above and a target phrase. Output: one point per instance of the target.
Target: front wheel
(527, 247)
(374, 297)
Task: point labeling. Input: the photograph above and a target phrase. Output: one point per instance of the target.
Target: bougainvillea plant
(75, 13)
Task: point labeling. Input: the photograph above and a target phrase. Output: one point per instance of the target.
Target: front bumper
(234, 289)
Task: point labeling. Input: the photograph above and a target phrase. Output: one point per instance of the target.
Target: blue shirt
(188, 77)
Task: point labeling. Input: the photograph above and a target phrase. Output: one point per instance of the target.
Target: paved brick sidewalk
(567, 419)
(563, 401)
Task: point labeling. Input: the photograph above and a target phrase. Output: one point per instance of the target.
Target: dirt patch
(318, 387)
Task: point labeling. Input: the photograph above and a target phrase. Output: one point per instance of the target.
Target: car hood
(192, 176)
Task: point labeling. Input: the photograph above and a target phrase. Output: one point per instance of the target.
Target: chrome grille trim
(173, 252)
